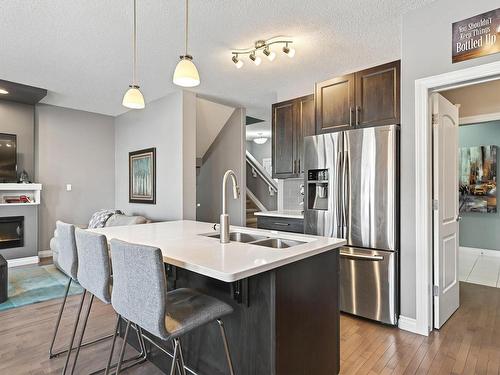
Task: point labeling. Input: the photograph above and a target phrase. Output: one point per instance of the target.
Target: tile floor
(479, 266)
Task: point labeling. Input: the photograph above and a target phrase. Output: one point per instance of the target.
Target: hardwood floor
(468, 344)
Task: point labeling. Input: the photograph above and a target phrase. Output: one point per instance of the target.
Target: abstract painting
(142, 176)
(478, 179)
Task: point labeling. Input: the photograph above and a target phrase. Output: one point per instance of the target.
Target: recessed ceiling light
(3, 91)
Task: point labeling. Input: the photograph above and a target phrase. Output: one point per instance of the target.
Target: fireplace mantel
(33, 190)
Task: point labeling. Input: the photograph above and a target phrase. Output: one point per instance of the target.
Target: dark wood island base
(285, 322)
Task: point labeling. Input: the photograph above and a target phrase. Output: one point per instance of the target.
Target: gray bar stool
(94, 275)
(140, 296)
(67, 262)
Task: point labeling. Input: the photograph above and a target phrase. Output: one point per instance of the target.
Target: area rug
(33, 284)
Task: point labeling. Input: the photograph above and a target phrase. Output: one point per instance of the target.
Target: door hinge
(435, 204)
(435, 118)
(435, 290)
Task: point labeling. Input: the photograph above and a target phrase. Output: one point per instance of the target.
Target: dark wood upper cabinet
(367, 98)
(283, 147)
(335, 104)
(291, 122)
(305, 126)
(377, 95)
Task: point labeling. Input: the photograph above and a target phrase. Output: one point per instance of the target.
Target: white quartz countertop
(183, 245)
(285, 213)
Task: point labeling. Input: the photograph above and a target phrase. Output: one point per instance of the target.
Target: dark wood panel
(378, 95)
(335, 104)
(307, 316)
(283, 224)
(305, 126)
(283, 145)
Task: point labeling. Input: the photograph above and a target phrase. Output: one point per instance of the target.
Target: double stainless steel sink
(254, 239)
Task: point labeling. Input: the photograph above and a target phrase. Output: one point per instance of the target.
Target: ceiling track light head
(237, 62)
(290, 52)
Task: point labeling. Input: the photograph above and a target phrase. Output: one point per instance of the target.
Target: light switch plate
(68, 187)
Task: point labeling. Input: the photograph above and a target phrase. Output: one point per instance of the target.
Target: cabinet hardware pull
(358, 114)
(351, 110)
(282, 224)
(298, 169)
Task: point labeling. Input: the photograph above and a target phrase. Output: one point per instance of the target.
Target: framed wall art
(142, 176)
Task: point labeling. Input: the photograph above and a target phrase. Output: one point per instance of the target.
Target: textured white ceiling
(81, 50)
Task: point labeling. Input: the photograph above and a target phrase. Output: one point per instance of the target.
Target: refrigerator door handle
(345, 191)
(339, 193)
(361, 257)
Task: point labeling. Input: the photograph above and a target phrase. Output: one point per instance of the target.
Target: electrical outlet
(68, 187)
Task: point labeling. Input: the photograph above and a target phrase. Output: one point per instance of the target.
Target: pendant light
(186, 74)
(133, 98)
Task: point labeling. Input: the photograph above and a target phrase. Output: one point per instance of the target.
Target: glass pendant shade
(260, 141)
(186, 74)
(133, 98)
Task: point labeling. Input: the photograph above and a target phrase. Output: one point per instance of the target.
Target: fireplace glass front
(11, 232)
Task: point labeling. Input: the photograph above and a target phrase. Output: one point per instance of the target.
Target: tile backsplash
(289, 196)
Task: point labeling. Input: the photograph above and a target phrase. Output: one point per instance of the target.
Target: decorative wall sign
(142, 176)
(478, 179)
(476, 36)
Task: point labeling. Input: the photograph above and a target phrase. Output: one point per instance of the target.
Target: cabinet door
(377, 95)
(335, 104)
(305, 126)
(283, 130)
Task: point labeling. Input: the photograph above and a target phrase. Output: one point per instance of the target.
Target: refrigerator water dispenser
(317, 189)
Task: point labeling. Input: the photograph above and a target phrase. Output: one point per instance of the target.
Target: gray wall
(477, 229)
(17, 118)
(227, 152)
(161, 124)
(426, 51)
(73, 147)
(260, 152)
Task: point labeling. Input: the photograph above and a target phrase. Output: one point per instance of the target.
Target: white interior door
(445, 190)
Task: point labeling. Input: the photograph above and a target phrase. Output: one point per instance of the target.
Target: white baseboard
(407, 324)
(45, 253)
(477, 251)
(22, 261)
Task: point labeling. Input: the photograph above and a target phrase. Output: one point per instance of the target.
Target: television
(8, 157)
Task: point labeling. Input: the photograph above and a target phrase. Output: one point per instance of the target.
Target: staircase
(252, 208)
(261, 190)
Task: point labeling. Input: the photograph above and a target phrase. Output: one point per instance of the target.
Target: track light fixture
(256, 59)
(265, 47)
(271, 55)
(239, 63)
(290, 52)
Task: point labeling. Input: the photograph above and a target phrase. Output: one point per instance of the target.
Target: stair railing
(259, 171)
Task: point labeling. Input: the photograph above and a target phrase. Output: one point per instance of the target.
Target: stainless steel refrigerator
(351, 191)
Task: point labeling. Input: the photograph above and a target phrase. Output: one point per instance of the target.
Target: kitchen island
(283, 288)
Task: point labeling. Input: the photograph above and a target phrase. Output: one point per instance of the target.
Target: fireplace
(11, 232)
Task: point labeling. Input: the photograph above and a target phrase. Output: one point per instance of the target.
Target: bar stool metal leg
(68, 355)
(226, 346)
(130, 362)
(182, 367)
(85, 320)
(53, 354)
(106, 371)
(122, 350)
(174, 359)
(58, 321)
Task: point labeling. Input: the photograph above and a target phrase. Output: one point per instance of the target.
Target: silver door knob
(459, 218)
